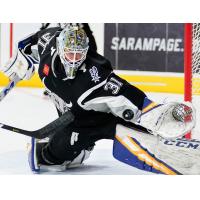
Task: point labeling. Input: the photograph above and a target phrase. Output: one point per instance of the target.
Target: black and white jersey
(96, 94)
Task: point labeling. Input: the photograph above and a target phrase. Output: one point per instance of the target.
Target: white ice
(28, 109)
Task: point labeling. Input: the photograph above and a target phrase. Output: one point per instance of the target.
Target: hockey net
(192, 71)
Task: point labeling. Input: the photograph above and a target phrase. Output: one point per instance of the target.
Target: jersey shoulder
(47, 40)
(98, 67)
(51, 31)
(93, 58)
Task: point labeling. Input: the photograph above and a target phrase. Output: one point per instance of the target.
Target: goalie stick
(50, 129)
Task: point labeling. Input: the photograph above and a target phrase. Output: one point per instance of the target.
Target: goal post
(192, 71)
(188, 64)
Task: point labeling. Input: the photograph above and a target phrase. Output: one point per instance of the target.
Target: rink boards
(146, 81)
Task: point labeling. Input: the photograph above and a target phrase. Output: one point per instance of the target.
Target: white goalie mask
(72, 46)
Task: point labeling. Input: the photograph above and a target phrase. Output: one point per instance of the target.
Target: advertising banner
(145, 46)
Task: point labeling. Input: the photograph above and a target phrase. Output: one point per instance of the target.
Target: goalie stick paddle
(9, 87)
(50, 129)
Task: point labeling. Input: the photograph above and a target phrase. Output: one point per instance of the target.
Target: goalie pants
(67, 145)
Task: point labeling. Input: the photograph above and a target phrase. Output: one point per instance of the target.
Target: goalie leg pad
(122, 153)
(177, 156)
(129, 150)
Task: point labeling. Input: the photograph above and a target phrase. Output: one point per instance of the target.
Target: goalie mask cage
(192, 71)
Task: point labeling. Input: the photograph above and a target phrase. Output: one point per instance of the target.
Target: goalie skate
(32, 157)
(36, 162)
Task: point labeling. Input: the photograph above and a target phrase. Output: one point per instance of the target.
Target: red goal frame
(11, 40)
(188, 64)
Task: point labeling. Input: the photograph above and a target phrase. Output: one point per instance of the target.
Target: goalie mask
(72, 45)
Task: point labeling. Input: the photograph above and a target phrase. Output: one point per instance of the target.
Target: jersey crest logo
(46, 70)
(94, 74)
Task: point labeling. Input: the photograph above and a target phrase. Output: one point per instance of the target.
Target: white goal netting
(196, 76)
